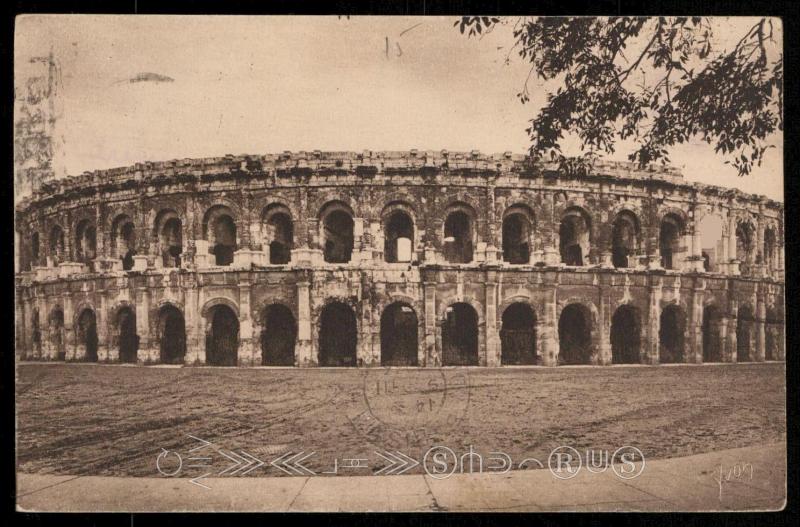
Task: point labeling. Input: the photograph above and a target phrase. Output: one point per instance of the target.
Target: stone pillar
(69, 342)
(195, 339)
(547, 331)
(305, 354)
(651, 354)
(248, 353)
(693, 346)
(432, 355)
(493, 350)
(146, 352)
(760, 330)
(601, 334)
(105, 351)
(730, 323)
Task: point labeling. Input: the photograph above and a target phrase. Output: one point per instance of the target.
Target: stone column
(601, 334)
(69, 341)
(493, 351)
(105, 351)
(248, 351)
(547, 331)
(693, 346)
(760, 330)
(305, 354)
(730, 323)
(432, 355)
(651, 354)
(195, 339)
(146, 353)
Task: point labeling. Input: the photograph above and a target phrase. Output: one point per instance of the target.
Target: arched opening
(222, 337)
(278, 231)
(769, 248)
(712, 347)
(171, 335)
(56, 244)
(278, 336)
(624, 240)
(518, 335)
(744, 334)
(34, 250)
(399, 335)
(123, 240)
(744, 243)
(710, 228)
(458, 236)
(221, 235)
(671, 335)
(625, 336)
(127, 339)
(575, 335)
(338, 235)
(773, 336)
(517, 227)
(87, 334)
(57, 333)
(85, 242)
(36, 333)
(170, 238)
(460, 336)
(399, 237)
(337, 335)
(670, 241)
(574, 236)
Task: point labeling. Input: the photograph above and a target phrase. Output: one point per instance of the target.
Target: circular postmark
(410, 407)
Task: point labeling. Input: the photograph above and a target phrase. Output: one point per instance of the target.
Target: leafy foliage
(658, 81)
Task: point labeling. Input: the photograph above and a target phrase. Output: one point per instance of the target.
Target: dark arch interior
(625, 336)
(34, 249)
(399, 336)
(572, 231)
(458, 238)
(172, 335)
(769, 248)
(671, 335)
(623, 241)
(278, 336)
(518, 335)
(36, 332)
(57, 244)
(773, 338)
(280, 246)
(171, 241)
(222, 340)
(669, 241)
(87, 334)
(128, 339)
(127, 245)
(337, 336)
(744, 335)
(712, 347)
(460, 336)
(516, 239)
(224, 240)
(339, 240)
(574, 335)
(57, 333)
(399, 225)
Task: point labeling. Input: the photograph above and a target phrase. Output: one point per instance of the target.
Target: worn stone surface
(209, 238)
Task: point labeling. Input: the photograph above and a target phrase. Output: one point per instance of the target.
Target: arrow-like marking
(251, 459)
(397, 461)
(408, 461)
(196, 481)
(205, 443)
(237, 460)
(297, 463)
(279, 460)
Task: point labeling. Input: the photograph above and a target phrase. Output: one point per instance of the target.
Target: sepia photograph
(361, 263)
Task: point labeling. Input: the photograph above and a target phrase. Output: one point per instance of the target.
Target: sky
(210, 86)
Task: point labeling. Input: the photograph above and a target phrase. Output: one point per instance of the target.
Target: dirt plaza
(87, 419)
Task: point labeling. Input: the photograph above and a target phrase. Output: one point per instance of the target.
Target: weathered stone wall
(371, 186)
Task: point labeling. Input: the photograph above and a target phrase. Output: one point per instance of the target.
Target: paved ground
(113, 420)
(752, 478)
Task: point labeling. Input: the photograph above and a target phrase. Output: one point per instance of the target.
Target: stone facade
(282, 259)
